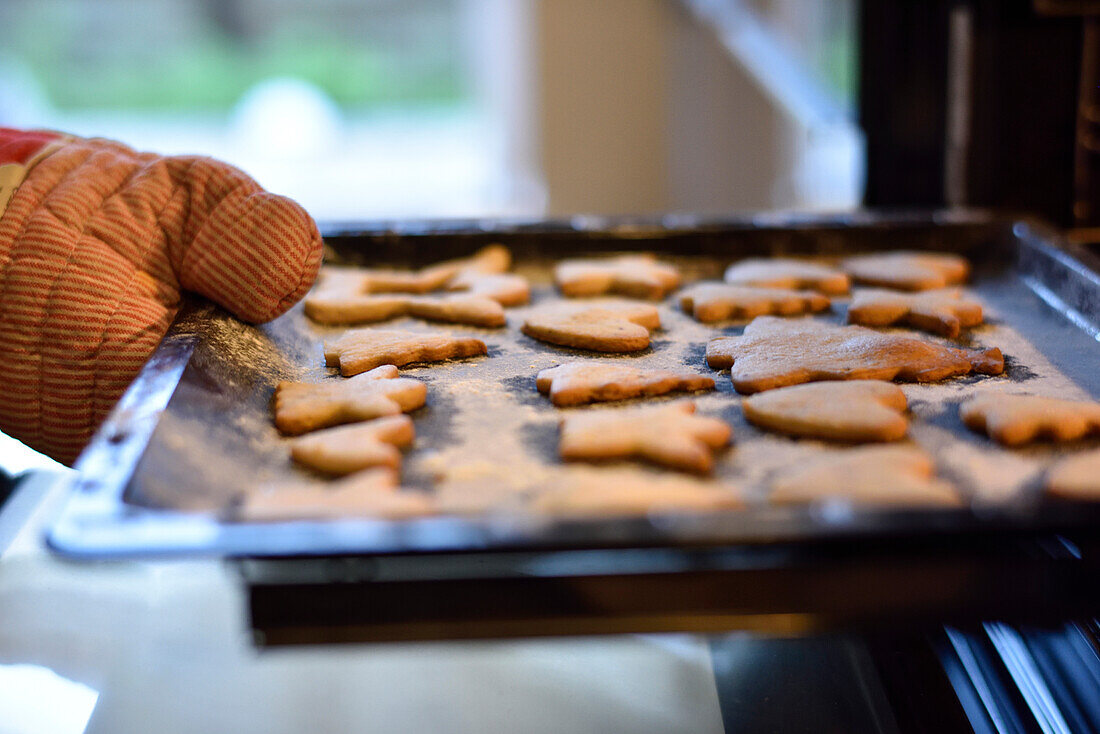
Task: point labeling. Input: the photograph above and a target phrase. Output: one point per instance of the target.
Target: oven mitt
(96, 243)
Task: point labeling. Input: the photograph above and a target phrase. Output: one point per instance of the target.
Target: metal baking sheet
(194, 431)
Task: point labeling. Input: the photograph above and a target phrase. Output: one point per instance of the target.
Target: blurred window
(357, 108)
(822, 35)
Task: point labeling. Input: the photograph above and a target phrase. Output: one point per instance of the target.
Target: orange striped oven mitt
(96, 243)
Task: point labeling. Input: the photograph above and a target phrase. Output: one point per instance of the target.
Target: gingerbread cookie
(1018, 419)
(711, 302)
(942, 312)
(601, 328)
(860, 410)
(670, 435)
(473, 310)
(307, 406)
(875, 475)
(335, 281)
(359, 350)
(789, 274)
(576, 383)
(369, 493)
(1076, 477)
(504, 288)
(636, 276)
(776, 352)
(347, 281)
(908, 271)
(347, 449)
(617, 492)
(490, 259)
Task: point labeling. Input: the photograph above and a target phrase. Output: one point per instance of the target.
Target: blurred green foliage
(174, 55)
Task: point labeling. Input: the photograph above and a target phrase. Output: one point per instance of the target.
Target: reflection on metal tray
(194, 430)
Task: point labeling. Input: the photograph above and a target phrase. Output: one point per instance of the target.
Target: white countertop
(164, 646)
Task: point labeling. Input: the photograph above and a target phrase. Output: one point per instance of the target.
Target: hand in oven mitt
(96, 243)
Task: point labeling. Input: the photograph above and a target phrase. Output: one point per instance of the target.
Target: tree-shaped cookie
(873, 475)
(1076, 477)
(600, 327)
(1018, 419)
(859, 410)
(576, 383)
(908, 271)
(347, 449)
(618, 492)
(776, 352)
(712, 302)
(372, 493)
(359, 350)
(942, 312)
(790, 274)
(307, 406)
(636, 276)
(473, 310)
(671, 435)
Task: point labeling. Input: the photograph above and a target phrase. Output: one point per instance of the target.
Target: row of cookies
(670, 435)
(642, 276)
(786, 287)
(751, 288)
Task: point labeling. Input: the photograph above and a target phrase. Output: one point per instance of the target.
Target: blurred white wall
(643, 108)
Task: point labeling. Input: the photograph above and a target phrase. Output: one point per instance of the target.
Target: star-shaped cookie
(908, 271)
(347, 449)
(359, 350)
(713, 302)
(599, 327)
(472, 310)
(776, 352)
(1018, 419)
(636, 276)
(942, 312)
(307, 406)
(875, 475)
(576, 383)
(619, 492)
(372, 493)
(670, 435)
(858, 411)
(790, 274)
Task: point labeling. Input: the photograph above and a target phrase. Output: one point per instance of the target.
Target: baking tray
(194, 429)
